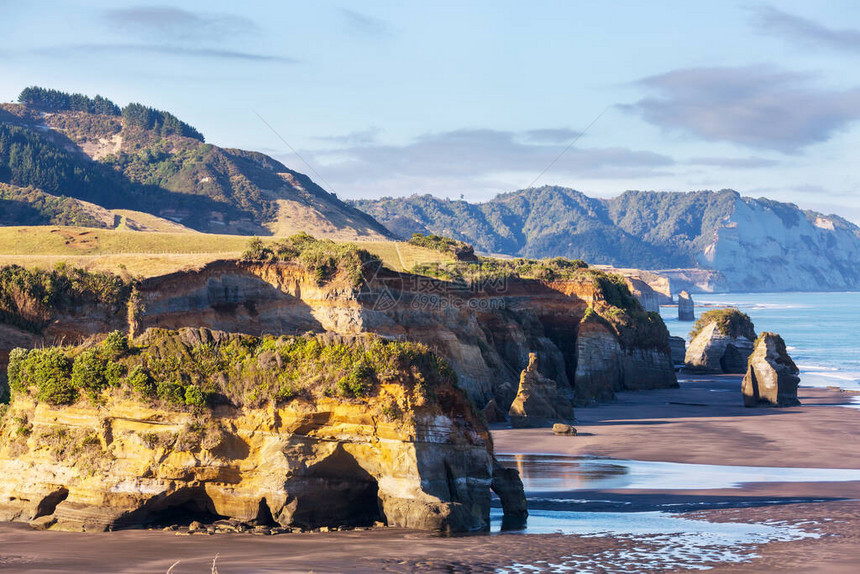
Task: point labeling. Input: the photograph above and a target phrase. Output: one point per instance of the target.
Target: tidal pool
(657, 539)
(651, 541)
(560, 473)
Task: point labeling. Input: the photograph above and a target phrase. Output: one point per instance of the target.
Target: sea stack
(678, 346)
(685, 307)
(539, 401)
(722, 341)
(772, 377)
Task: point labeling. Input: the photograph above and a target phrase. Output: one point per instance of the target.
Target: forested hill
(56, 146)
(751, 244)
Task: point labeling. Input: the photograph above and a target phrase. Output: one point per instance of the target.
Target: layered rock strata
(772, 377)
(486, 333)
(401, 455)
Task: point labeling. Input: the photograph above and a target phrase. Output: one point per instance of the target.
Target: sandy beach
(704, 422)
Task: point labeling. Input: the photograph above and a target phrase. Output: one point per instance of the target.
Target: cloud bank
(755, 106)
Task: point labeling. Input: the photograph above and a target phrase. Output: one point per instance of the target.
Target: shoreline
(662, 425)
(703, 422)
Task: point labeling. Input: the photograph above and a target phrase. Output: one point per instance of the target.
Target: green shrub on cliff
(116, 342)
(48, 372)
(89, 374)
(730, 322)
(181, 370)
(489, 268)
(30, 297)
(322, 257)
(461, 250)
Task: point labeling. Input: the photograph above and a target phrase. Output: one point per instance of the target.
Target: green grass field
(151, 254)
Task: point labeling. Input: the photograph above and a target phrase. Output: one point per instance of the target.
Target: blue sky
(477, 98)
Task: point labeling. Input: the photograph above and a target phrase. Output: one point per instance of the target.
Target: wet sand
(704, 422)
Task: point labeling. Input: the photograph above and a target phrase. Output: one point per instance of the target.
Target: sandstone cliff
(486, 333)
(772, 377)
(284, 431)
(722, 342)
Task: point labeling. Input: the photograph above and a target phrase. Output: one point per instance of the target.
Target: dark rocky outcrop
(772, 377)
(492, 413)
(679, 349)
(540, 401)
(686, 310)
(509, 488)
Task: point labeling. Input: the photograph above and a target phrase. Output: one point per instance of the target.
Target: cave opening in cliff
(48, 505)
(264, 515)
(338, 492)
(180, 508)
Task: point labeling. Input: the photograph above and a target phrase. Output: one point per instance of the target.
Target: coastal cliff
(485, 330)
(486, 333)
(281, 431)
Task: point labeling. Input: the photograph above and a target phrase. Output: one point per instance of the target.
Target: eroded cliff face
(772, 377)
(768, 246)
(714, 352)
(309, 465)
(486, 334)
(410, 452)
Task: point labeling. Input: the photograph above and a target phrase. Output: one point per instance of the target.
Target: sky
(474, 98)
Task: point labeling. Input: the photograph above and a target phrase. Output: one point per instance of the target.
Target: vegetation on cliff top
(461, 250)
(30, 297)
(322, 257)
(196, 369)
(614, 303)
(617, 306)
(554, 269)
(730, 322)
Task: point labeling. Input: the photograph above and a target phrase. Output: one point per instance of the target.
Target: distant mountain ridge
(748, 244)
(56, 146)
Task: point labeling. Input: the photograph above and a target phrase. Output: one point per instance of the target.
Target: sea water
(819, 329)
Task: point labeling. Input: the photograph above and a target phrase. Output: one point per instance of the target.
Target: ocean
(819, 329)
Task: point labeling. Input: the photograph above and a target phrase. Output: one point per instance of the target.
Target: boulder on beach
(540, 401)
(772, 377)
(686, 310)
(563, 429)
(722, 341)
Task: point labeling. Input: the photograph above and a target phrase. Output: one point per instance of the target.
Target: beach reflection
(551, 473)
(560, 473)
